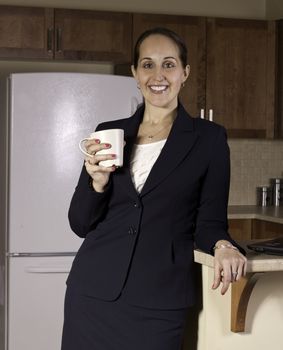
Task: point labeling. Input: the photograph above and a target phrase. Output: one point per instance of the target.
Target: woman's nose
(158, 74)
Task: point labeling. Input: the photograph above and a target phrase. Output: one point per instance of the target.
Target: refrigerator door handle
(40, 255)
(47, 269)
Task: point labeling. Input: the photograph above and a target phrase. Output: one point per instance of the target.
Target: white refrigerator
(46, 116)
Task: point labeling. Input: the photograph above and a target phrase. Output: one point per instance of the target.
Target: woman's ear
(186, 72)
(133, 71)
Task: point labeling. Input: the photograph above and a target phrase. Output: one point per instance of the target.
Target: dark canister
(277, 189)
(264, 196)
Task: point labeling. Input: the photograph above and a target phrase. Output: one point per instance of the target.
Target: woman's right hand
(99, 174)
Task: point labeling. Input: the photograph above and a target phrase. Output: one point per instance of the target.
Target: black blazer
(142, 244)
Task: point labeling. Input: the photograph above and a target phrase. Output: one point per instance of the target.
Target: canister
(264, 196)
(277, 189)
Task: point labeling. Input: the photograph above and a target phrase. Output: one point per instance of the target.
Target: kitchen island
(250, 315)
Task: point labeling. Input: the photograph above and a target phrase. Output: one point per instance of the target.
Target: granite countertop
(272, 214)
(256, 262)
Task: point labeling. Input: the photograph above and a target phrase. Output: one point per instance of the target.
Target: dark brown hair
(183, 52)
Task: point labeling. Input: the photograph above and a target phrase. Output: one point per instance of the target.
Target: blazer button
(136, 205)
(132, 230)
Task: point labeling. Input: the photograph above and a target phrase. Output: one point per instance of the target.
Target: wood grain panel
(24, 32)
(241, 75)
(93, 35)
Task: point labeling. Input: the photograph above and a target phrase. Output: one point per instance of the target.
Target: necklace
(151, 136)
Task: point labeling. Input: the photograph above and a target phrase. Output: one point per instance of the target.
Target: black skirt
(93, 324)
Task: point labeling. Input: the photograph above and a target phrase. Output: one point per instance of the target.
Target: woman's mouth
(158, 89)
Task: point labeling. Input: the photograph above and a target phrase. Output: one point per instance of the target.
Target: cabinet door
(192, 30)
(280, 80)
(26, 32)
(265, 229)
(240, 229)
(92, 35)
(241, 75)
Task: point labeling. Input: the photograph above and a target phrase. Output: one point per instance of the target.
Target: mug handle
(81, 146)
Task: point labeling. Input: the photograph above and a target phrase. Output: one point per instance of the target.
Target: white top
(142, 159)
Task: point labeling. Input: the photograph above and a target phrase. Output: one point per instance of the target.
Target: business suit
(140, 246)
(144, 242)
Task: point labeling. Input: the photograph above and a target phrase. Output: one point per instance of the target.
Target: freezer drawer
(36, 289)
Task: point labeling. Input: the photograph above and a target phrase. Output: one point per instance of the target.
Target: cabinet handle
(50, 40)
(59, 39)
(210, 115)
(202, 113)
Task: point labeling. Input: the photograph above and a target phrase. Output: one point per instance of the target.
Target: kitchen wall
(219, 8)
(274, 9)
(253, 163)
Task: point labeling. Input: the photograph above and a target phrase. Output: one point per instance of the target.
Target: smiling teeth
(158, 88)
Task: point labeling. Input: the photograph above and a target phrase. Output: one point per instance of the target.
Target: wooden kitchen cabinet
(280, 81)
(266, 229)
(192, 30)
(26, 32)
(93, 35)
(233, 65)
(39, 33)
(247, 229)
(241, 63)
(240, 229)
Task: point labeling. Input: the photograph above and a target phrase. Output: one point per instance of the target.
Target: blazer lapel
(130, 131)
(179, 143)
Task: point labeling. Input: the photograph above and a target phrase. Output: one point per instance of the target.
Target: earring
(138, 86)
(183, 85)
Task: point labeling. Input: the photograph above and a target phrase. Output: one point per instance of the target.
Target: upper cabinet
(26, 32)
(193, 31)
(280, 79)
(240, 76)
(233, 62)
(93, 35)
(65, 34)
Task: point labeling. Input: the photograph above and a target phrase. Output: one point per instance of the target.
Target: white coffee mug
(115, 137)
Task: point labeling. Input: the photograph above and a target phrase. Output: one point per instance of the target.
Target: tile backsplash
(253, 163)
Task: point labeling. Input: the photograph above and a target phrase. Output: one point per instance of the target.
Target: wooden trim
(271, 79)
(240, 296)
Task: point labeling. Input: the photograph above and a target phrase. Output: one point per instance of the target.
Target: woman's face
(160, 73)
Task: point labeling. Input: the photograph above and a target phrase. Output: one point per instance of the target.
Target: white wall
(274, 9)
(217, 8)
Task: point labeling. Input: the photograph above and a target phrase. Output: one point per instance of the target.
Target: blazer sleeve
(87, 206)
(211, 222)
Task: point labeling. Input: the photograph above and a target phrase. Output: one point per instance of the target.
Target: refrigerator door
(49, 114)
(36, 301)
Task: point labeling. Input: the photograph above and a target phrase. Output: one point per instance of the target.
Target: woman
(133, 277)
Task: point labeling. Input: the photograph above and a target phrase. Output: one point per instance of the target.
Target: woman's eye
(169, 65)
(147, 65)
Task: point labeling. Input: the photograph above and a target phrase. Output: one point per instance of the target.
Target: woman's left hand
(229, 266)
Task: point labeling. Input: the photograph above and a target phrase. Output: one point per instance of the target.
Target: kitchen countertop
(272, 214)
(256, 262)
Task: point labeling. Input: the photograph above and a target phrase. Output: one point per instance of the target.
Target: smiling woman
(131, 288)
(160, 70)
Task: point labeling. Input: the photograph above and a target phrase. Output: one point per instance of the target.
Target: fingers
(94, 146)
(229, 266)
(92, 165)
(217, 276)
